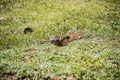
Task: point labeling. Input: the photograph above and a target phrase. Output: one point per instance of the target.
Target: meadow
(97, 57)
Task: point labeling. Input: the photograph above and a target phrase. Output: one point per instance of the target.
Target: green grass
(95, 58)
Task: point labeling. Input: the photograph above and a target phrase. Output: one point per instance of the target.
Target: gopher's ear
(67, 37)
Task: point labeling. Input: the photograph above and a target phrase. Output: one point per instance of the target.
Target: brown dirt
(9, 76)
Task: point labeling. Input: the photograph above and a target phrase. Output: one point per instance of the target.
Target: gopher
(64, 40)
(59, 40)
